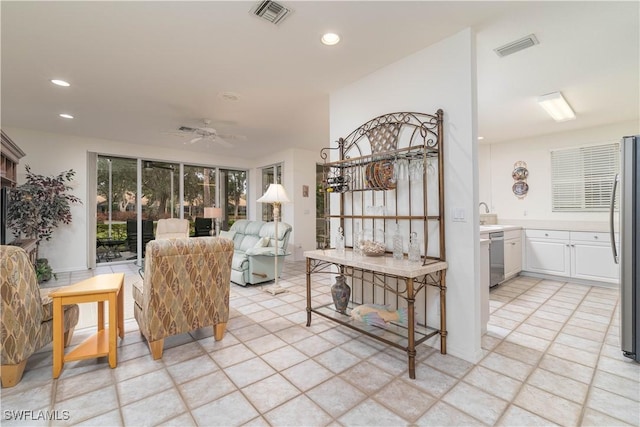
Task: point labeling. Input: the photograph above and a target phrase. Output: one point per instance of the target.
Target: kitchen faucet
(486, 208)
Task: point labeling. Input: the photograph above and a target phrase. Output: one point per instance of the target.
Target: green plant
(44, 272)
(39, 205)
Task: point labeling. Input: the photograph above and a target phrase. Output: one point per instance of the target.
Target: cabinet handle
(546, 234)
(568, 245)
(595, 237)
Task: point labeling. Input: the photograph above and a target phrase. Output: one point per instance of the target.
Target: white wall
(299, 169)
(49, 154)
(497, 164)
(441, 76)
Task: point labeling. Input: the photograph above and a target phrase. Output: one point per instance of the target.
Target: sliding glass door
(233, 193)
(125, 223)
(115, 208)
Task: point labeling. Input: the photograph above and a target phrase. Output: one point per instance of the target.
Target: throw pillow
(227, 234)
(262, 242)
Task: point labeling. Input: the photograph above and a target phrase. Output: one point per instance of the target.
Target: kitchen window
(582, 177)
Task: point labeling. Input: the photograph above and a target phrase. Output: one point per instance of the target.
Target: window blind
(582, 177)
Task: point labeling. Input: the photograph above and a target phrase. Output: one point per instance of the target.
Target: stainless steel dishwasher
(496, 258)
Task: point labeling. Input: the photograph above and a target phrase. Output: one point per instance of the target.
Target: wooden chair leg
(156, 349)
(68, 336)
(12, 374)
(218, 331)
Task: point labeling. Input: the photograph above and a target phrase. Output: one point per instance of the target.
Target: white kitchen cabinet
(548, 252)
(512, 256)
(579, 255)
(591, 257)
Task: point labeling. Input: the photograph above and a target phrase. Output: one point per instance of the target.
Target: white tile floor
(551, 357)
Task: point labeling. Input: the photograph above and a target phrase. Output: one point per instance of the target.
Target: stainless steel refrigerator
(628, 254)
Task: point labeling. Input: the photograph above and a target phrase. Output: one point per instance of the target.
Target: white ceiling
(139, 70)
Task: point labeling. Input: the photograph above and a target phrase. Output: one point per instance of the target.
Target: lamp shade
(274, 194)
(556, 106)
(213, 212)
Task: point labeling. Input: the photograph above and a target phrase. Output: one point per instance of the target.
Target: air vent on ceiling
(516, 46)
(271, 11)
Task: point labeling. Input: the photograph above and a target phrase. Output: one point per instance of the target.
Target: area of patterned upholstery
(26, 324)
(185, 286)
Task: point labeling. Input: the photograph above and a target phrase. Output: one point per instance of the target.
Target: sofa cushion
(240, 226)
(248, 242)
(269, 230)
(227, 234)
(262, 242)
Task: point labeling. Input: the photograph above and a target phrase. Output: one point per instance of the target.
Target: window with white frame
(582, 177)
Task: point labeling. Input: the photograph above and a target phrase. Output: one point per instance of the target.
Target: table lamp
(277, 195)
(214, 213)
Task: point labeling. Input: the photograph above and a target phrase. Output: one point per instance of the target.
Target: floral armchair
(27, 314)
(185, 287)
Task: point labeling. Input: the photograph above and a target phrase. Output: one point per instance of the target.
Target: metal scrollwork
(385, 133)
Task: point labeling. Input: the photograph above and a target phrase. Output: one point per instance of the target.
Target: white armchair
(172, 228)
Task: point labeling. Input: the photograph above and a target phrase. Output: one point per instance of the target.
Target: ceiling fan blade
(233, 137)
(223, 142)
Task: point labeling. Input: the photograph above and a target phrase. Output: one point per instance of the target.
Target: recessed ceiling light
(480, 138)
(330, 39)
(60, 82)
(66, 116)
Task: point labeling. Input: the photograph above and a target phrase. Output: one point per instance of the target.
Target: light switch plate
(458, 215)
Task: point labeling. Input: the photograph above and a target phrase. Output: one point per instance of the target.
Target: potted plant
(44, 272)
(37, 207)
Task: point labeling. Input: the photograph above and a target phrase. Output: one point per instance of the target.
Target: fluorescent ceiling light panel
(66, 116)
(557, 107)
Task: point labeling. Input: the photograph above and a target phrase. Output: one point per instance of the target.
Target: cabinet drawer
(587, 236)
(513, 234)
(548, 234)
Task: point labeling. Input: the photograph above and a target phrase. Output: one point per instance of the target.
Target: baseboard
(570, 279)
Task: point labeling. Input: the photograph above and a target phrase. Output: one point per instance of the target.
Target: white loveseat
(254, 250)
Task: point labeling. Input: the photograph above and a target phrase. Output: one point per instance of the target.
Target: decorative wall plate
(520, 188)
(520, 173)
(385, 176)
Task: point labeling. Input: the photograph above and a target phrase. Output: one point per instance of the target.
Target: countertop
(599, 226)
(506, 225)
(382, 264)
(485, 229)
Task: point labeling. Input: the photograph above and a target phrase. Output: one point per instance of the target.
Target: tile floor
(550, 357)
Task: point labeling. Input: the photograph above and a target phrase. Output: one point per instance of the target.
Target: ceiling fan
(206, 133)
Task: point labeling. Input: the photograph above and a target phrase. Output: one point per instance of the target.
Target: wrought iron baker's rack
(364, 172)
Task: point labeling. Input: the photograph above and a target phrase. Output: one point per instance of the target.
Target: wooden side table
(101, 288)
